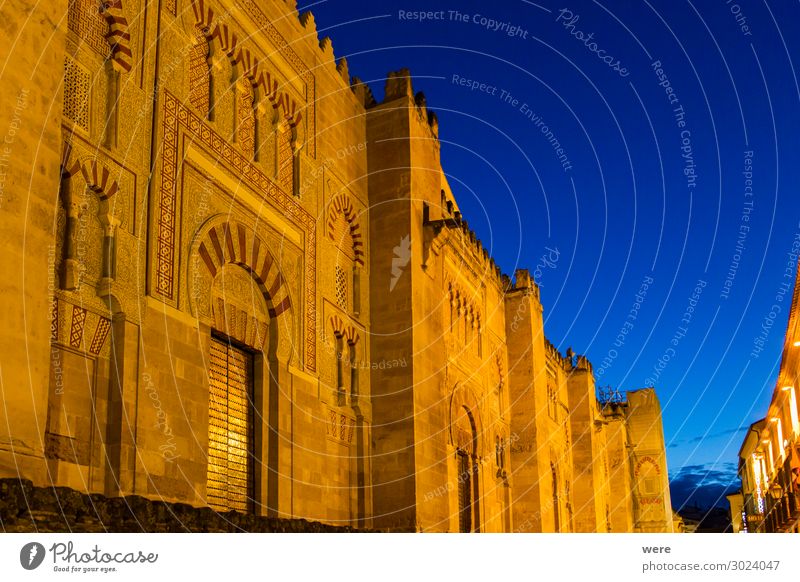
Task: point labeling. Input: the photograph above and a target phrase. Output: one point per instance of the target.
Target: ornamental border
(178, 115)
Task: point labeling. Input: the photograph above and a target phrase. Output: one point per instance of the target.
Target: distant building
(769, 457)
(236, 281)
(705, 519)
(737, 515)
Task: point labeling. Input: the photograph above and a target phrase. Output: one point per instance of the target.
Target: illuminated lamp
(776, 491)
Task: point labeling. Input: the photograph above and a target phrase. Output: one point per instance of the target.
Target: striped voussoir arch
(119, 38)
(203, 15)
(228, 40)
(248, 62)
(340, 329)
(234, 243)
(97, 176)
(341, 205)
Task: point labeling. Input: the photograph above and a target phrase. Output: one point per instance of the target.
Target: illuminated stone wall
(574, 458)
(440, 308)
(207, 171)
(256, 145)
(29, 176)
(650, 480)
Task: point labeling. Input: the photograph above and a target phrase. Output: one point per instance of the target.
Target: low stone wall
(25, 508)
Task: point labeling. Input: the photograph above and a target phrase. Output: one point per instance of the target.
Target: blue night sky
(645, 193)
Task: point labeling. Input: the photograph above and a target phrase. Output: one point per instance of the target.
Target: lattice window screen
(341, 287)
(230, 428)
(76, 93)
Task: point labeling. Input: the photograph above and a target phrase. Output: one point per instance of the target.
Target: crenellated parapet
(570, 362)
(398, 85)
(523, 282)
(582, 364)
(452, 221)
(325, 44)
(363, 93)
(555, 357)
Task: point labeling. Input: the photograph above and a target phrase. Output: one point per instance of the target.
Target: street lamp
(776, 491)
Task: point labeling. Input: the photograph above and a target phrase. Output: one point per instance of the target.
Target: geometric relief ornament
(104, 28)
(76, 327)
(100, 335)
(179, 120)
(79, 328)
(339, 427)
(54, 320)
(85, 20)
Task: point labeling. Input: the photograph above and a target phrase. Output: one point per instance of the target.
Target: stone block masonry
(25, 508)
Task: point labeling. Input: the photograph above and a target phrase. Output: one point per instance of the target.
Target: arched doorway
(241, 298)
(556, 512)
(240, 354)
(466, 441)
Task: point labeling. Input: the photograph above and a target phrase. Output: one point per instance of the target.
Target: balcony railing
(782, 513)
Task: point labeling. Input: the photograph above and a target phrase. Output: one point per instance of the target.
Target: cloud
(703, 485)
(707, 437)
(716, 435)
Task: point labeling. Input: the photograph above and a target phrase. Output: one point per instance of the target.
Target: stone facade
(769, 457)
(25, 508)
(580, 463)
(245, 285)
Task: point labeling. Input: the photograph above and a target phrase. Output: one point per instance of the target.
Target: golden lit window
(230, 428)
(793, 412)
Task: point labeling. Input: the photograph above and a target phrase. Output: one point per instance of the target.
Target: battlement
(399, 86)
(523, 282)
(570, 362)
(452, 219)
(325, 44)
(363, 93)
(582, 363)
(554, 356)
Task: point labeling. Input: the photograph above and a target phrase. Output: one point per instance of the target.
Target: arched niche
(466, 431)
